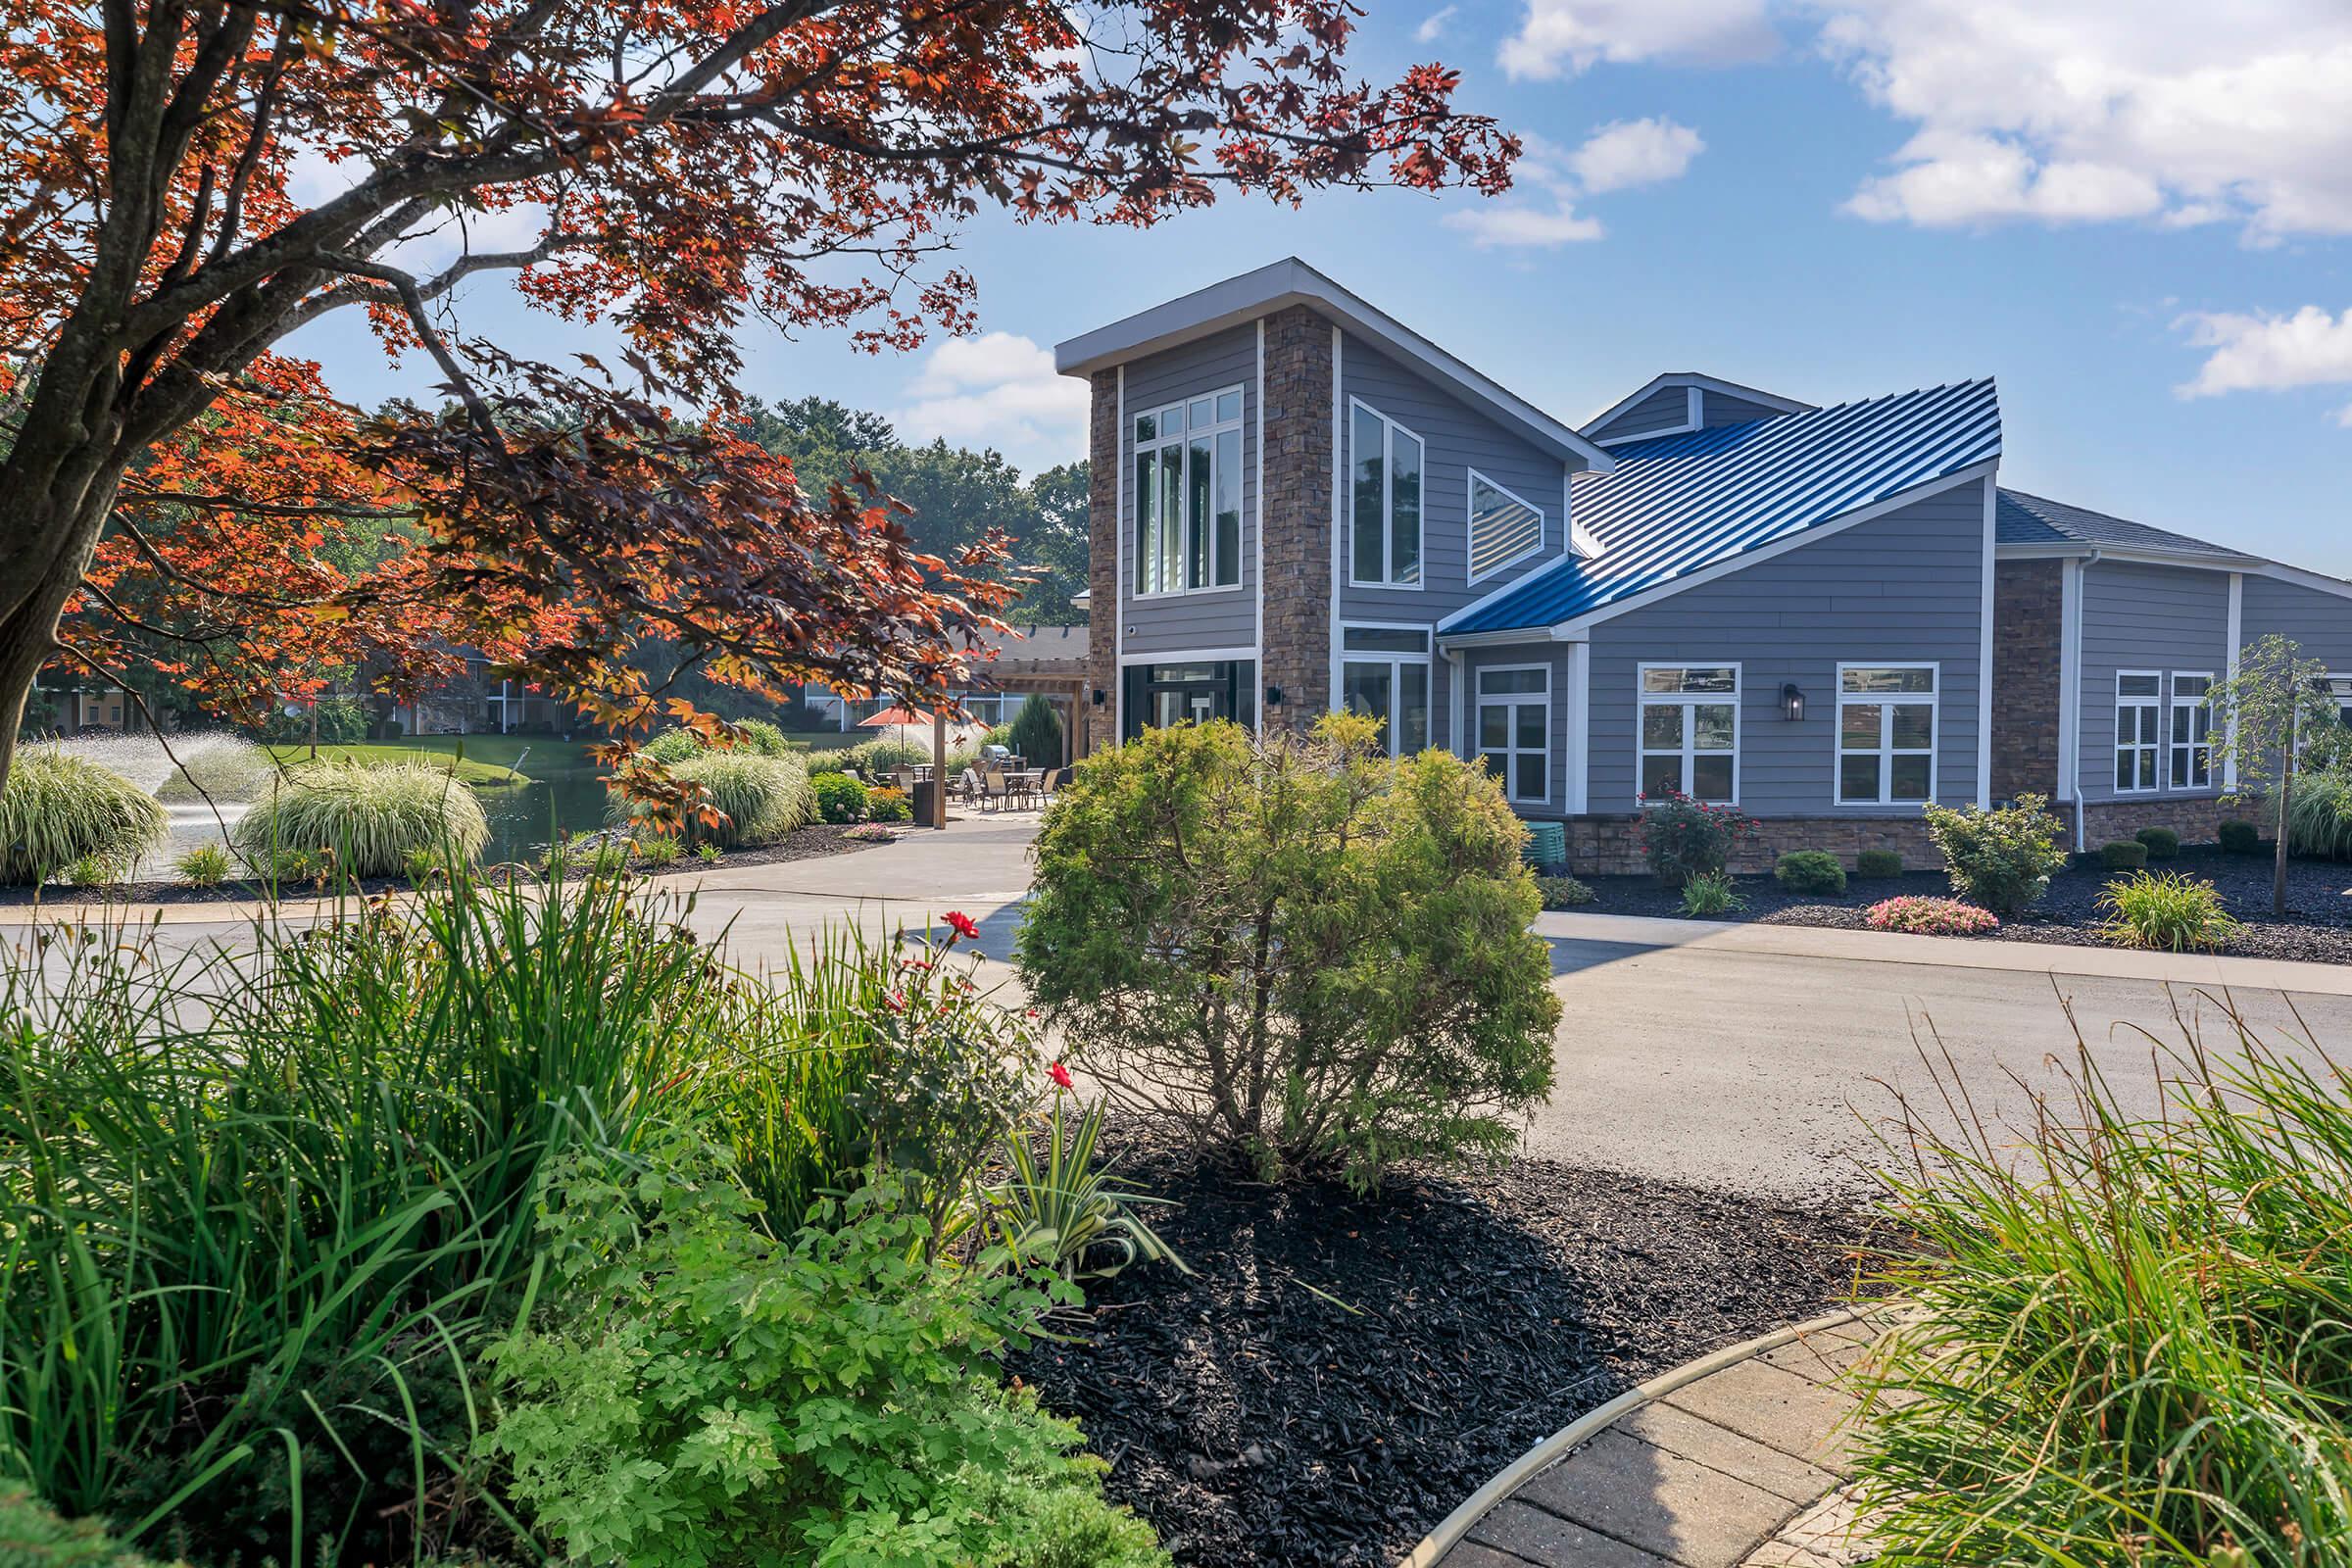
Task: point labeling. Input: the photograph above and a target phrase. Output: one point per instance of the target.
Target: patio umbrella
(897, 716)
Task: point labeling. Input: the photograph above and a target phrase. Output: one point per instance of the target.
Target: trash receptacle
(925, 792)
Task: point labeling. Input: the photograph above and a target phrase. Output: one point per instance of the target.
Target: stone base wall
(2027, 609)
(1099, 699)
(2197, 818)
(1611, 846)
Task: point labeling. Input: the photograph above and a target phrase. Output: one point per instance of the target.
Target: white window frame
(1512, 751)
(1393, 659)
(1887, 751)
(2174, 705)
(1470, 521)
(2163, 716)
(1644, 698)
(1161, 442)
(1390, 426)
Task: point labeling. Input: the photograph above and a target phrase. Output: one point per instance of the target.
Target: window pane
(1662, 725)
(1498, 682)
(1661, 681)
(1147, 523)
(1710, 678)
(1858, 776)
(1412, 708)
(1384, 640)
(1494, 726)
(1502, 528)
(1496, 763)
(1405, 503)
(1200, 419)
(1229, 406)
(1907, 776)
(2137, 685)
(2123, 770)
(1894, 678)
(2181, 721)
(1914, 728)
(1196, 517)
(1532, 785)
(1711, 776)
(1858, 726)
(1146, 429)
(2188, 688)
(1364, 689)
(1531, 726)
(1660, 774)
(1229, 508)
(2147, 770)
(1171, 518)
(1371, 559)
(2180, 767)
(1711, 726)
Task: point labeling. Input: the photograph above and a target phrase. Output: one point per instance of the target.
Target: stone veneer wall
(1611, 846)
(1294, 516)
(2197, 818)
(1103, 566)
(2027, 611)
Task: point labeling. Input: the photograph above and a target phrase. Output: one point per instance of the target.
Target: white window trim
(2163, 735)
(1239, 422)
(1513, 751)
(2171, 707)
(1470, 515)
(1886, 751)
(1644, 698)
(1392, 660)
(1388, 472)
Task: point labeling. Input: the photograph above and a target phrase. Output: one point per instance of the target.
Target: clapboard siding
(1721, 407)
(1666, 408)
(1907, 587)
(2143, 618)
(2318, 622)
(1222, 618)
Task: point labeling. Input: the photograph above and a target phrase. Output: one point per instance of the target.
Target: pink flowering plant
(1685, 838)
(1933, 917)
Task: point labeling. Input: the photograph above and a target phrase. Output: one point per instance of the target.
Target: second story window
(1383, 500)
(1502, 526)
(1188, 495)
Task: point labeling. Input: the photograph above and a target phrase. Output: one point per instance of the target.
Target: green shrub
(1682, 837)
(1878, 863)
(203, 866)
(2127, 1341)
(424, 865)
(674, 745)
(875, 759)
(2163, 843)
(1708, 894)
(368, 818)
(841, 799)
(708, 854)
(1809, 871)
(1037, 733)
(1932, 917)
(2002, 860)
(761, 800)
(888, 804)
(689, 1394)
(1563, 892)
(2123, 854)
(31, 1535)
(1391, 1004)
(2240, 837)
(2319, 816)
(820, 763)
(342, 720)
(762, 738)
(657, 849)
(57, 809)
(2164, 909)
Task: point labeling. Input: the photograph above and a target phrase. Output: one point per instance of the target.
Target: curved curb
(1454, 1526)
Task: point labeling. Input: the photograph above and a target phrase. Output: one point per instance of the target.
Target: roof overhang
(2075, 549)
(1290, 281)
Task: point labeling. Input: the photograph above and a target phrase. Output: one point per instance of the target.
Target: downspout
(2076, 762)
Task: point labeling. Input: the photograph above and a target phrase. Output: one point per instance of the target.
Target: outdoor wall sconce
(1273, 697)
(1793, 703)
(1097, 696)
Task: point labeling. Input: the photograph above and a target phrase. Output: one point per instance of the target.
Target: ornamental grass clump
(369, 819)
(2132, 1341)
(2165, 909)
(57, 809)
(753, 801)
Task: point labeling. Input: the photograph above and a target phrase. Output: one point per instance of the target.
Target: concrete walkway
(1735, 1460)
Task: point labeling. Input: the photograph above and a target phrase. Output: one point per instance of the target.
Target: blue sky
(2140, 222)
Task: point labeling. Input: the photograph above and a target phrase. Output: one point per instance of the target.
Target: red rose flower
(1060, 1076)
(963, 925)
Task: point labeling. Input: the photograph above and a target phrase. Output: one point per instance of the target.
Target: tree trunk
(41, 562)
(2287, 795)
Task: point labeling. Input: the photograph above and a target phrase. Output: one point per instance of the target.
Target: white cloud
(1634, 152)
(1574, 36)
(999, 390)
(1433, 26)
(2269, 353)
(1520, 224)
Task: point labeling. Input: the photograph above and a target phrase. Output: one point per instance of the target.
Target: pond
(565, 795)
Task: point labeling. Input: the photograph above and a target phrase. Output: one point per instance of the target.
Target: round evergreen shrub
(1809, 871)
(762, 738)
(2163, 843)
(1878, 863)
(369, 819)
(1564, 891)
(1037, 733)
(2001, 860)
(59, 808)
(840, 798)
(2240, 837)
(674, 745)
(2124, 854)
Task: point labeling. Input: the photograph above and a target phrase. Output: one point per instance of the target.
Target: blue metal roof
(1686, 502)
(2024, 520)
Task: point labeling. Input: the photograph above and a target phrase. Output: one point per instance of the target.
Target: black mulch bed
(803, 844)
(2317, 924)
(1253, 1421)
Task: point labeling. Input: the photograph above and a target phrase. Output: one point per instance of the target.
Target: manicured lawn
(487, 760)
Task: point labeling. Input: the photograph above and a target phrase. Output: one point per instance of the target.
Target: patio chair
(994, 790)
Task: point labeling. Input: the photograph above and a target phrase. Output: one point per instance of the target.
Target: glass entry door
(1163, 694)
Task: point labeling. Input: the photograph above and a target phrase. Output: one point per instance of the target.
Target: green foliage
(92, 872)
(2123, 854)
(677, 744)
(761, 799)
(2319, 820)
(203, 866)
(368, 818)
(762, 738)
(1707, 893)
(1563, 892)
(2002, 860)
(699, 1393)
(1065, 1213)
(1314, 954)
(673, 746)
(2163, 843)
(1684, 838)
(2277, 704)
(2164, 909)
(341, 719)
(1931, 917)
(57, 809)
(657, 849)
(1878, 863)
(820, 763)
(1809, 871)
(1037, 733)
(31, 1535)
(875, 759)
(2240, 837)
(2130, 1343)
(708, 854)
(887, 804)
(424, 865)
(840, 798)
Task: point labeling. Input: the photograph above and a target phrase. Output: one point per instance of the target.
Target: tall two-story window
(2138, 730)
(1188, 495)
(1504, 527)
(1515, 728)
(1885, 734)
(1384, 671)
(2192, 732)
(1691, 731)
(1383, 500)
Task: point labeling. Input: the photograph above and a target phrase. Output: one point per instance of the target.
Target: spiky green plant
(57, 808)
(2319, 819)
(1065, 1213)
(2165, 909)
(761, 798)
(369, 818)
(203, 866)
